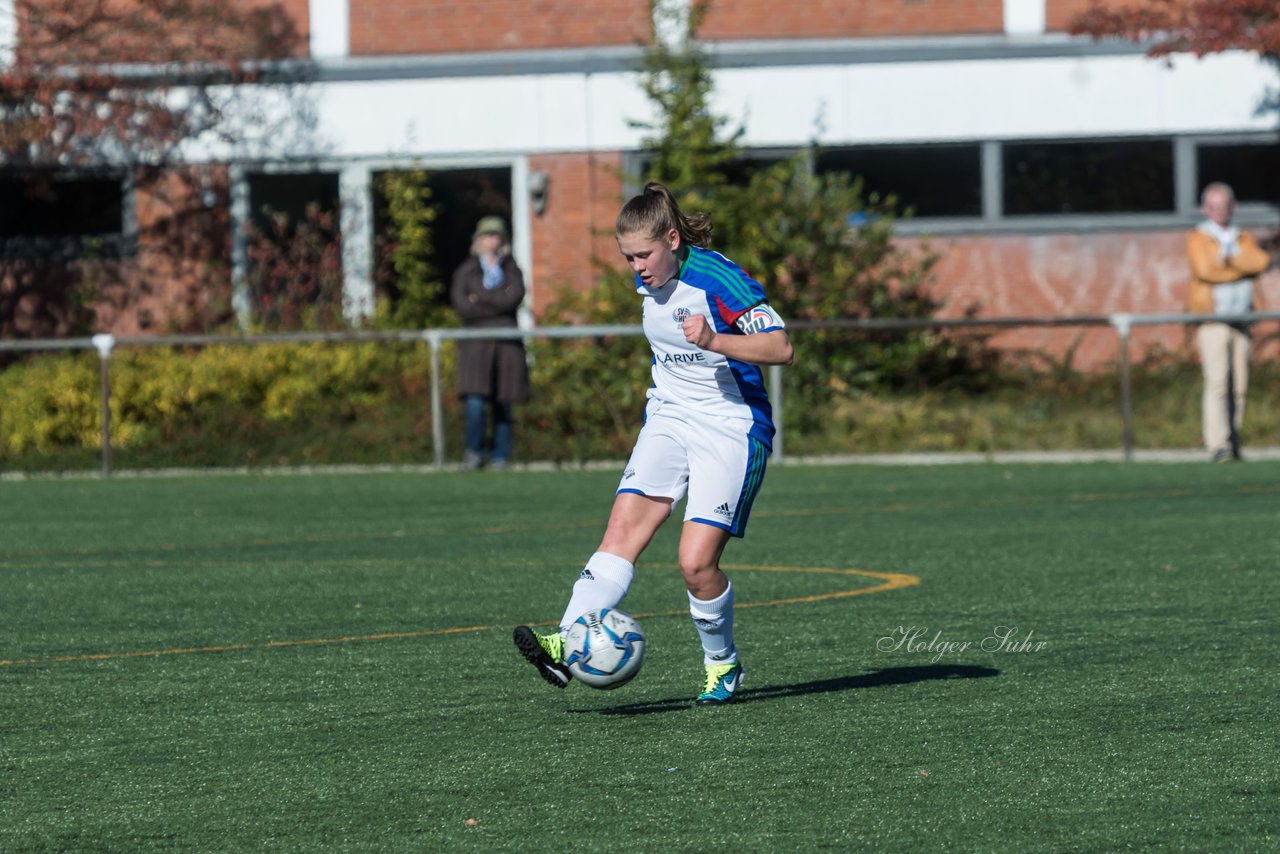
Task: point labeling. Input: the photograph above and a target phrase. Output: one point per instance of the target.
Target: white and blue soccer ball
(604, 648)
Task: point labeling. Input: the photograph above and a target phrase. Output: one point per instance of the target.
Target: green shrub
(230, 396)
(415, 295)
(239, 405)
(589, 394)
(49, 403)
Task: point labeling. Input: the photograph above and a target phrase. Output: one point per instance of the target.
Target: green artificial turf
(324, 662)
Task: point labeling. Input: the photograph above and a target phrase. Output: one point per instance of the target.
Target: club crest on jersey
(680, 315)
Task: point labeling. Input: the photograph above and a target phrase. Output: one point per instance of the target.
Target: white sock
(714, 621)
(603, 584)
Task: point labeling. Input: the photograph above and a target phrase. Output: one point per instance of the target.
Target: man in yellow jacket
(1225, 263)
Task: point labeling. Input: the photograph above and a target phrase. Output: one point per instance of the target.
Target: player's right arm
(762, 348)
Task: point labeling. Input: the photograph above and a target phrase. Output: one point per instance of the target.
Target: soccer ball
(604, 648)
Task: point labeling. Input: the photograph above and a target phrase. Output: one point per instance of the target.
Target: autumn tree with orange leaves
(1188, 26)
(129, 80)
(123, 85)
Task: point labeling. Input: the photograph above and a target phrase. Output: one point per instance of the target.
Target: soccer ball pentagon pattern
(604, 648)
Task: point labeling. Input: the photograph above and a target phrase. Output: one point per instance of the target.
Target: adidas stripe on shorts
(714, 461)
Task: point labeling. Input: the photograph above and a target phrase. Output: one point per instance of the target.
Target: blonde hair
(654, 212)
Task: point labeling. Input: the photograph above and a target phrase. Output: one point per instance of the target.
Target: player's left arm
(769, 346)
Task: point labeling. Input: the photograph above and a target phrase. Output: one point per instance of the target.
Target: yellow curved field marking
(889, 581)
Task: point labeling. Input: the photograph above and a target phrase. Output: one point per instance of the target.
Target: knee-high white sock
(603, 584)
(714, 621)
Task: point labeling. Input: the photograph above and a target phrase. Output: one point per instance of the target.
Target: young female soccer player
(707, 432)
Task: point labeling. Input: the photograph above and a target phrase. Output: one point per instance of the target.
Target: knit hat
(492, 225)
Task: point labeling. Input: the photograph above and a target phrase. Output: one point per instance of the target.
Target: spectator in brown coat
(493, 375)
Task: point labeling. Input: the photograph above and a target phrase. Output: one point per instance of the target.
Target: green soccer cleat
(723, 681)
(545, 652)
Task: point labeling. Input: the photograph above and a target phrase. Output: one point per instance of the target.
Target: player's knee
(698, 570)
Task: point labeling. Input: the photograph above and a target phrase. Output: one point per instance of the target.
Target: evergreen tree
(687, 145)
(414, 292)
(822, 251)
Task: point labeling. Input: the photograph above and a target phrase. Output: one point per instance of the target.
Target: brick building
(1054, 175)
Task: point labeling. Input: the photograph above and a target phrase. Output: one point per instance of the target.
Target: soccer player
(707, 432)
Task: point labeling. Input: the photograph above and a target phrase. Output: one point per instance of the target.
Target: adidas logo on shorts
(723, 510)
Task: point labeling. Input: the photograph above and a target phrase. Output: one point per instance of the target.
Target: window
(740, 171)
(1063, 184)
(463, 196)
(43, 212)
(1115, 176)
(737, 172)
(931, 180)
(290, 194)
(1252, 170)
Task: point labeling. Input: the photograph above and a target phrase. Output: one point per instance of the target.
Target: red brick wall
(1072, 274)
(767, 19)
(450, 26)
(180, 280)
(585, 193)
(1058, 12)
(294, 15)
(90, 31)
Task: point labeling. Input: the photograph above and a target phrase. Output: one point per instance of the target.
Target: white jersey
(690, 378)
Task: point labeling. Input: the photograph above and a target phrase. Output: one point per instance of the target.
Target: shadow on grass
(875, 679)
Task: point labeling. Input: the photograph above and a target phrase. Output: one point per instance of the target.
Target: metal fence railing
(1122, 323)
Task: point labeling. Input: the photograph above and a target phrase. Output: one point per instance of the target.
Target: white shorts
(715, 461)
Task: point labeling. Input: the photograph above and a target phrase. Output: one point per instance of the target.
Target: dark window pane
(290, 194)
(735, 173)
(463, 196)
(738, 173)
(933, 180)
(45, 204)
(1088, 177)
(1253, 171)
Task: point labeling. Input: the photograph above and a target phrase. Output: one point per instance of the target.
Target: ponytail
(654, 212)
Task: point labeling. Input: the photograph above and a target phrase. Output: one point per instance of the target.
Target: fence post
(437, 411)
(1123, 324)
(775, 396)
(105, 344)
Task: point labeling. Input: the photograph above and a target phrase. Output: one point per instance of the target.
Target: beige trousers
(1224, 359)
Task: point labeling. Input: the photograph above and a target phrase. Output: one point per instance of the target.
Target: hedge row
(371, 403)
(53, 402)
(235, 404)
